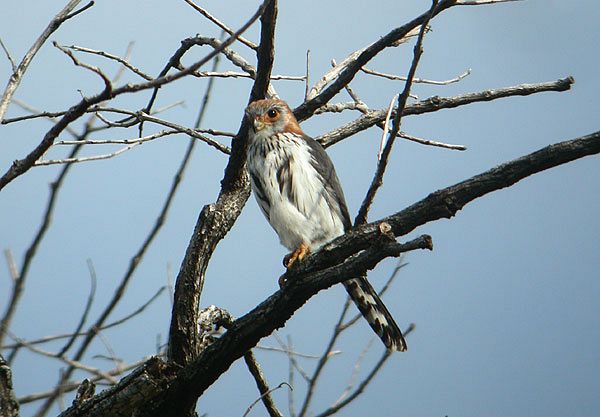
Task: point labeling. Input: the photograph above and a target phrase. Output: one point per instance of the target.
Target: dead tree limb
(172, 389)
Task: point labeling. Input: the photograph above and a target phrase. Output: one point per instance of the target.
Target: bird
(297, 189)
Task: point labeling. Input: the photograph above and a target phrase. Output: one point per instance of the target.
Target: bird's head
(269, 117)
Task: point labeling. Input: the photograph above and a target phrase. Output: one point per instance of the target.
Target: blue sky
(506, 306)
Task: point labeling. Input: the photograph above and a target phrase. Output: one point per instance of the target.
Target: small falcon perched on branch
(299, 193)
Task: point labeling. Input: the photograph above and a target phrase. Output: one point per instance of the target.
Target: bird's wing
(324, 167)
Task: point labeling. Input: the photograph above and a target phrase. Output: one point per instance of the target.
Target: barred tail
(376, 313)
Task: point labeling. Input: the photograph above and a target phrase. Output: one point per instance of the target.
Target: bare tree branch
(9, 406)
(307, 108)
(86, 310)
(16, 77)
(482, 2)
(220, 24)
(8, 56)
(263, 386)
(134, 261)
(122, 61)
(363, 384)
(19, 167)
(436, 103)
(72, 363)
(115, 323)
(72, 386)
(346, 256)
(216, 220)
(377, 181)
(415, 79)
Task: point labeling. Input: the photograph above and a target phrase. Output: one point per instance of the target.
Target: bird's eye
(272, 113)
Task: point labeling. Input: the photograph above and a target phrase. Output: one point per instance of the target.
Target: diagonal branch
(377, 181)
(433, 104)
(445, 203)
(220, 24)
(19, 167)
(261, 383)
(348, 255)
(135, 261)
(306, 109)
(339, 259)
(216, 219)
(17, 75)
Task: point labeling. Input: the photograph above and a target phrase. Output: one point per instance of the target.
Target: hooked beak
(258, 125)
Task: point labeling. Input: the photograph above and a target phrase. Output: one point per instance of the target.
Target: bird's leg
(298, 254)
(291, 258)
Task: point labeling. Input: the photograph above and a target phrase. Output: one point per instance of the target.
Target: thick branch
(445, 203)
(216, 220)
(9, 407)
(338, 260)
(332, 264)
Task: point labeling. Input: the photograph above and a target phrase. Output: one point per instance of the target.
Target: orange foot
(298, 254)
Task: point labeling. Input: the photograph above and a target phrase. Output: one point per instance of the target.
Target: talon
(298, 254)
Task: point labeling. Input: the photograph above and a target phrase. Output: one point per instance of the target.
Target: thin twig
(12, 265)
(287, 351)
(261, 397)
(291, 367)
(17, 75)
(417, 80)
(430, 142)
(263, 386)
(107, 55)
(156, 135)
(72, 386)
(115, 323)
(111, 352)
(107, 82)
(386, 127)
(86, 310)
(288, 347)
(44, 162)
(323, 361)
(481, 2)
(220, 24)
(81, 10)
(72, 363)
(355, 372)
(9, 56)
(234, 74)
(435, 103)
(19, 167)
(35, 113)
(307, 76)
(364, 383)
(136, 312)
(377, 182)
(190, 132)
